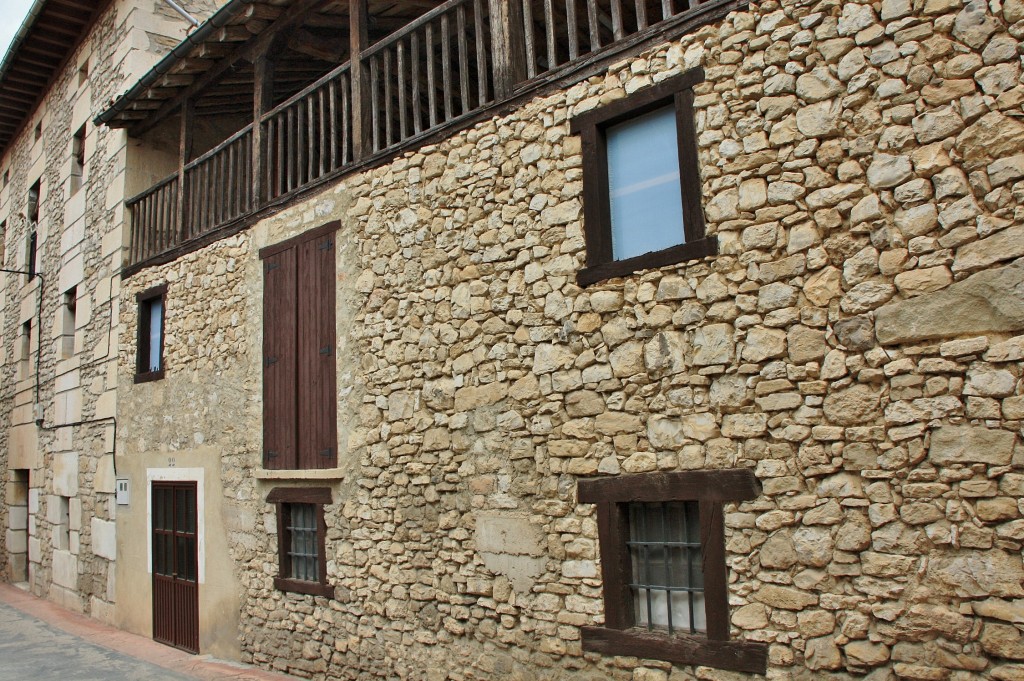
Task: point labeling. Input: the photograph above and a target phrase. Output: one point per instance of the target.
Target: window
(25, 348)
(62, 532)
(7, 178)
(31, 241)
(641, 182)
(78, 160)
(68, 313)
(301, 529)
(37, 134)
(150, 349)
(299, 416)
(83, 73)
(662, 540)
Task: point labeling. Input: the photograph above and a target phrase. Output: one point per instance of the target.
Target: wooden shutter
(279, 360)
(318, 435)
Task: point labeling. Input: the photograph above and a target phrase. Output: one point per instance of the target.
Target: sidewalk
(131, 646)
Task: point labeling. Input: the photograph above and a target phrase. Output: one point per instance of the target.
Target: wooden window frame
(592, 127)
(144, 300)
(318, 497)
(620, 635)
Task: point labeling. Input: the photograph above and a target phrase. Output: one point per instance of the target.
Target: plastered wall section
(857, 343)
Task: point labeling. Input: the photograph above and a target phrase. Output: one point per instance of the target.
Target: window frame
(620, 635)
(592, 127)
(144, 299)
(283, 497)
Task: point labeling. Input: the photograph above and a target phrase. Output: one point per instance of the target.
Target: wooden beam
(263, 100)
(248, 51)
(508, 45)
(357, 17)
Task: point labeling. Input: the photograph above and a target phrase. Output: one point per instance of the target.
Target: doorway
(175, 565)
(17, 525)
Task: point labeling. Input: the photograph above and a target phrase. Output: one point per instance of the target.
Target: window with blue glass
(642, 190)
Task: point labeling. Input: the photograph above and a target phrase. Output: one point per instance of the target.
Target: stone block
(990, 301)
(971, 444)
(104, 538)
(65, 569)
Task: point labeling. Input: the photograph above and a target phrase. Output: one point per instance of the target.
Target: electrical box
(122, 492)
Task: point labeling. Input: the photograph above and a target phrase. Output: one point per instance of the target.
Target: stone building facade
(855, 342)
(64, 180)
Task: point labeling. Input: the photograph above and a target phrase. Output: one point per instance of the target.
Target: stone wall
(856, 343)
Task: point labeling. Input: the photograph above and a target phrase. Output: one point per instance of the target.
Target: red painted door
(175, 565)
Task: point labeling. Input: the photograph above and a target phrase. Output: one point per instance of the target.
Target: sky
(12, 13)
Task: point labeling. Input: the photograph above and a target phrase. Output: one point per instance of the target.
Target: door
(175, 565)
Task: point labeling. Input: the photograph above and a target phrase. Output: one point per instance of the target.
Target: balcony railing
(449, 64)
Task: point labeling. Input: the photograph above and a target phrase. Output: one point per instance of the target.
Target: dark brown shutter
(279, 360)
(318, 436)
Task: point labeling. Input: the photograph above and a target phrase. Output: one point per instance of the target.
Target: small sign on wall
(122, 492)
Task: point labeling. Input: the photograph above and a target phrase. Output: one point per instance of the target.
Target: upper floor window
(149, 356)
(662, 543)
(300, 428)
(83, 73)
(642, 191)
(37, 133)
(33, 203)
(78, 160)
(69, 311)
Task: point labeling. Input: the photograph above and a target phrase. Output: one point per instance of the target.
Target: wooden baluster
(549, 26)
(571, 28)
(431, 87)
(335, 140)
(232, 196)
(617, 28)
(388, 113)
(530, 39)
(345, 121)
(300, 143)
(595, 27)
(446, 68)
(326, 136)
(666, 9)
(460, 17)
(641, 14)
(361, 94)
(414, 71)
(310, 138)
(291, 150)
(403, 116)
(481, 53)
(375, 103)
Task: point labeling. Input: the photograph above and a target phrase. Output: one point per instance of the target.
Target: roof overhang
(44, 43)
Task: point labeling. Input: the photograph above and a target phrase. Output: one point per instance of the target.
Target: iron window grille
(665, 579)
(301, 533)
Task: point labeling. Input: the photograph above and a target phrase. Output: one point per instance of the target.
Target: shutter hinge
(325, 350)
(270, 266)
(327, 452)
(271, 454)
(267, 361)
(325, 245)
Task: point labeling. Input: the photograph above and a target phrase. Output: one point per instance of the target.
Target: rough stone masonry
(857, 343)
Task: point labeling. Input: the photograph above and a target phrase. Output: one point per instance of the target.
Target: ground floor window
(301, 531)
(662, 543)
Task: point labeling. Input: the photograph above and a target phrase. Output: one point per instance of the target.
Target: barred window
(668, 577)
(665, 579)
(300, 524)
(301, 534)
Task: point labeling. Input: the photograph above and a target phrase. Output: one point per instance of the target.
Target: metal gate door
(175, 565)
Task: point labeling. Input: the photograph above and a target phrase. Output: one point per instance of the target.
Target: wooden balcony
(445, 69)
